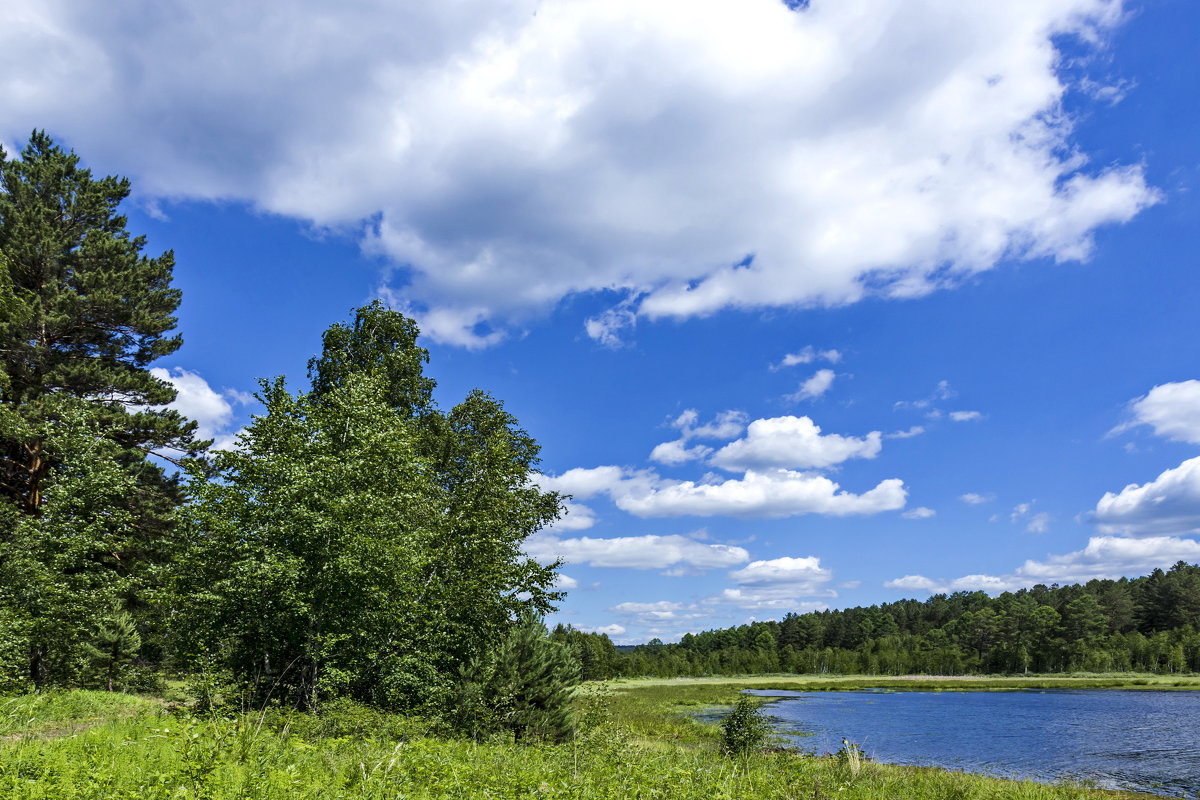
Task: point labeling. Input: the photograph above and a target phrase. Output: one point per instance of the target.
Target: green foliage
(112, 650)
(523, 688)
(359, 542)
(83, 313)
(745, 728)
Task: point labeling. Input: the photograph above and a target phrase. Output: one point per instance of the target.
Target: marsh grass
(638, 742)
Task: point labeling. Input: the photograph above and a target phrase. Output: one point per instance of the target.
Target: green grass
(53, 712)
(642, 743)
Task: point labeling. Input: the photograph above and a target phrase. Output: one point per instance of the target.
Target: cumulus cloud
(1172, 409)
(635, 552)
(563, 583)
(677, 452)
(777, 583)
(965, 416)
(793, 442)
(976, 499)
(608, 630)
(505, 156)
(584, 482)
(196, 400)
(921, 512)
(660, 612)
(576, 517)
(725, 425)
(814, 387)
(758, 493)
(915, 430)
(1169, 504)
(1103, 557)
(774, 493)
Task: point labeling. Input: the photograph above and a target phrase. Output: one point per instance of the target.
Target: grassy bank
(640, 743)
(974, 683)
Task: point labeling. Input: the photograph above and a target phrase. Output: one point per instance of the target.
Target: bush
(745, 728)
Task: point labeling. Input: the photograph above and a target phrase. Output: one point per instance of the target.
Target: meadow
(638, 739)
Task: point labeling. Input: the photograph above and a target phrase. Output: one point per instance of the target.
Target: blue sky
(808, 307)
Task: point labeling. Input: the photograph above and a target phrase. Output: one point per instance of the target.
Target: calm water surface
(1142, 740)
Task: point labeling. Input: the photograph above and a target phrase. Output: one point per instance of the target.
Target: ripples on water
(1141, 740)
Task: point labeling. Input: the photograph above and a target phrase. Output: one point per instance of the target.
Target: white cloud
(975, 499)
(563, 583)
(775, 493)
(725, 425)
(197, 400)
(919, 513)
(607, 630)
(777, 583)
(576, 517)
(1034, 523)
(212, 410)
(793, 442)
(677, 452)
(815, 386)
(1103, 557)
(658, 607)
(766, 493)
(1172, 409)
(965, 416)
(915, 430)
(660, 612)
(807, 356)
(1169, 504)
(805, 575)
(1110, 557)
(582, 483)
(942, 391)
(635, 552)
(1038, 523)
(513, 154)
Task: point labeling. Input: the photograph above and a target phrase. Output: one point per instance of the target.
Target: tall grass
(636, 743)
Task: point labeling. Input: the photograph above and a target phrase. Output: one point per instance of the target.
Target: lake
(1141, 740)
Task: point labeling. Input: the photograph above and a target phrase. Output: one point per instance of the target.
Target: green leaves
(360, 542)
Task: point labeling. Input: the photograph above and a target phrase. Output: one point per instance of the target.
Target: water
(1146, 741)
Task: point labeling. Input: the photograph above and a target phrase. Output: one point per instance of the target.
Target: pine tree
(83, 313)
(114, 647)
(523, 688)
(86, 313)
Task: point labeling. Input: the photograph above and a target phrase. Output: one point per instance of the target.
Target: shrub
(745, 728)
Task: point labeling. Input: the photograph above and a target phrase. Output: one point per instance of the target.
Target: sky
(810, 305)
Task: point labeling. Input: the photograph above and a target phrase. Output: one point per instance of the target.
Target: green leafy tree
(360, 541)
(83, 313)
(62, 570)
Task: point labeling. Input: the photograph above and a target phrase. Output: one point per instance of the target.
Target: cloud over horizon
(682, 157)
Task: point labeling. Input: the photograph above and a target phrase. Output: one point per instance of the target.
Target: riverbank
(973, 683)
(640, 741)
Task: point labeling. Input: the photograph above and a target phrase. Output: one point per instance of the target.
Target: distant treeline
(1147, 624)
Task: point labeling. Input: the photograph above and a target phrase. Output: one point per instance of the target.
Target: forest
(1147, 624)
